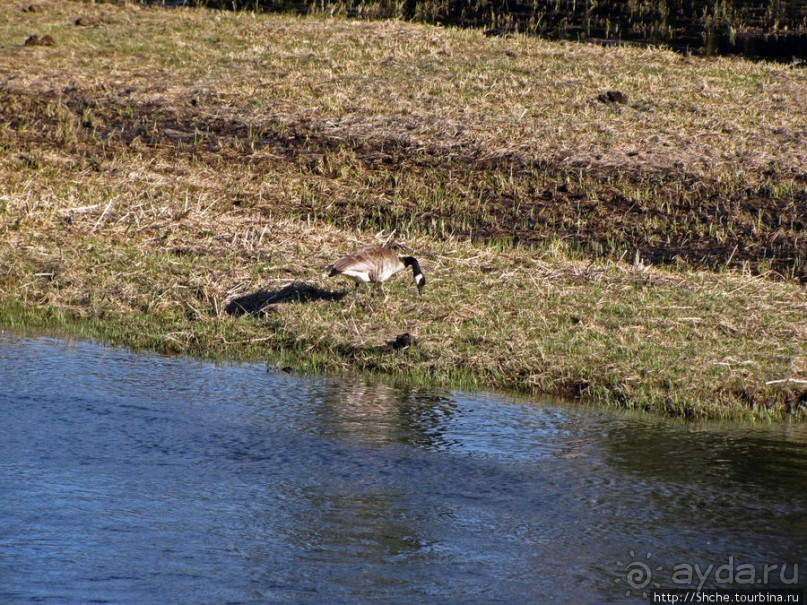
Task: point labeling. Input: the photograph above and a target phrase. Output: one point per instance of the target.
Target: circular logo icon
(637, 574)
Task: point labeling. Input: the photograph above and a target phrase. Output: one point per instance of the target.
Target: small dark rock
(613, 96)
(402, 341)
(46, 40)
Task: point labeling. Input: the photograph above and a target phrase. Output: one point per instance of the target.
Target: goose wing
(371, 263)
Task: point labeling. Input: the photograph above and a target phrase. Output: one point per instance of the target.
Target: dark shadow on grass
(256, 302)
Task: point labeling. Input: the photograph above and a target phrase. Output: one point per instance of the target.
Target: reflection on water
(379, 413)
(137, 478)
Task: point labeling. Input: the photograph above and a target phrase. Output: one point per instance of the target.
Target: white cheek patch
(419, 278)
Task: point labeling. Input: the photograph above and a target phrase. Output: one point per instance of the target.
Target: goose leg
(355, 296)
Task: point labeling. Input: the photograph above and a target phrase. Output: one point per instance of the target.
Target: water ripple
(140, 478)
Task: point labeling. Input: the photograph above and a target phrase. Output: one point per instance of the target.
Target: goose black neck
(411, 261)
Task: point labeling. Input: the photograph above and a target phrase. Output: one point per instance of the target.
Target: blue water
(135, 478)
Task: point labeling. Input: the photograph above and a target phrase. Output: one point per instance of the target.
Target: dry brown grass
(431, 87)
(500, 137)
(167, 162)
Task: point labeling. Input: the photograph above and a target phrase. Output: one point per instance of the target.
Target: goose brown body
(376, 264)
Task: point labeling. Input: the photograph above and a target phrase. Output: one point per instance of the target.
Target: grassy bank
(165, 170)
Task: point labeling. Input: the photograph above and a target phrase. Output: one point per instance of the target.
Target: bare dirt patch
(681, 218)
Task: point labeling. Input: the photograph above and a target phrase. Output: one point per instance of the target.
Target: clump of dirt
(613, 96)
(35, 40)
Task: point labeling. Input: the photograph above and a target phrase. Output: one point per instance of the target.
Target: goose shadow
(256, 302)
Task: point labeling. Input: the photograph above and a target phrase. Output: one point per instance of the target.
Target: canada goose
(376, 264)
